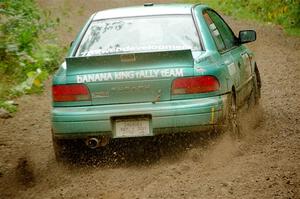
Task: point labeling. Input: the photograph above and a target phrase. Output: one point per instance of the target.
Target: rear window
(139, 34)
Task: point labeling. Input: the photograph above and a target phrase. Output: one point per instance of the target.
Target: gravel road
(264, 163)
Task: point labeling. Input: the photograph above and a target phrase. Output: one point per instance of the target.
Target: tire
(254, 98)
(64, 149)
(59, 147)
(233, 120)
(255, 111)
(258, 82)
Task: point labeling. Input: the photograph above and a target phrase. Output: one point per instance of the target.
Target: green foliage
(8, 105)
(28, 52)
(32, 84)
(282, 12)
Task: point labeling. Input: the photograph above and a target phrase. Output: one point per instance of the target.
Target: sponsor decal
(129, 75)
(246, 60)
(216, 33)
(96, 52)
(200, 70)
(231, 69)
(212, 27)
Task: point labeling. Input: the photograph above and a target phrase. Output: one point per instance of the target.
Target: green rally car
(149, 70)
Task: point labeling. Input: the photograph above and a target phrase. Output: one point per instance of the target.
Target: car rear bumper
(166, 117)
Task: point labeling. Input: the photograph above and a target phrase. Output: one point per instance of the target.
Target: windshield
(139, 34)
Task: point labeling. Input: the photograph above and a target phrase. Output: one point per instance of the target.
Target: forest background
(30, 51)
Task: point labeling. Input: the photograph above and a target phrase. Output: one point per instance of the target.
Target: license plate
(132, 127)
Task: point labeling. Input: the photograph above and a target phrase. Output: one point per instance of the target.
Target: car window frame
(214, 37)
(194, 16)
(236, 43)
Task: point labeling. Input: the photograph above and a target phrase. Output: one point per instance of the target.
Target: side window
(214, 32)
(227, 35)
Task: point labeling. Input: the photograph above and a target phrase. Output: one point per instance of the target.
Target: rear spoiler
(107, 63)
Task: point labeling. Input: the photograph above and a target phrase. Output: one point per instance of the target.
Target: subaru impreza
(149, 70)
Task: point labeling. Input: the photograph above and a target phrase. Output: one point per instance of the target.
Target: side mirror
(246, 36)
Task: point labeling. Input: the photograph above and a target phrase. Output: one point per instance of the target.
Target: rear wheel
(255, 112)
(64, 149)
(59, 147)
(258, 82)
(233, 120)
(253, 100)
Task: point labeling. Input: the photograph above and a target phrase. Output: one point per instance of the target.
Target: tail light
(69, 93)
(192, 85)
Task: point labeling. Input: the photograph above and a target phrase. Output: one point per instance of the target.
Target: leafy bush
(8, 105)
(27, 48)
(282, 12)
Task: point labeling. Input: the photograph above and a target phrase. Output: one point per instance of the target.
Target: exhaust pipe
(94, 142)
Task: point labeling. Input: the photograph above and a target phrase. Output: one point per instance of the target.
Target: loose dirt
(264, 163)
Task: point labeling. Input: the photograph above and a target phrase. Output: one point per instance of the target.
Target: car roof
(145, 10)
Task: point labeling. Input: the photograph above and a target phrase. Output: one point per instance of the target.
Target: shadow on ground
(139, 151)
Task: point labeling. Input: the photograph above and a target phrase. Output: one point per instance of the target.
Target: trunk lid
(130, 78)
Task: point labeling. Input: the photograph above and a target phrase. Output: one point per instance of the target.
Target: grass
(280, 14)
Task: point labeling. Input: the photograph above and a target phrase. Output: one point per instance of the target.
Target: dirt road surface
(264, 163)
